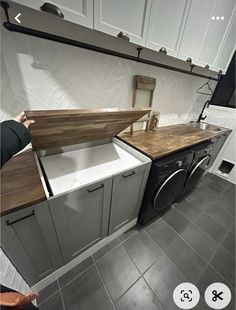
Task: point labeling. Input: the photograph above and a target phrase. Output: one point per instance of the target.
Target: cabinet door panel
(227, 49)
(166, 24)
(81, 217)
(199, 17)
(23, 239)
(131, 16)
(216, 31)
(127, 194)
(76, 11)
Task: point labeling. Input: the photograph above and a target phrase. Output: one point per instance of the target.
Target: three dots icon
(217, 18)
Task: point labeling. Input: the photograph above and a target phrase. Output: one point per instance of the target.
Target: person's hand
(21, 118)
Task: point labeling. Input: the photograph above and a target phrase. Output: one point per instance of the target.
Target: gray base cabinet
(81, 217)
(29, 240)
(218, 144)
(127, 194)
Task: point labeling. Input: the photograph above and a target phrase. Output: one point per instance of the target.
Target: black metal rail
(52, 37)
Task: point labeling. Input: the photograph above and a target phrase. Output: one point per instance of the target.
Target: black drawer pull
(128, 175)
(95, 189)
(51, 9)
(20, 219)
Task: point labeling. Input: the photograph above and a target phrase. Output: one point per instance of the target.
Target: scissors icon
(216, 295)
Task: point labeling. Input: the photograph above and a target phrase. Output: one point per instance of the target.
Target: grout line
(63, 304)
(103, 282)
(46, 299)
(80, 274)
(115, 247)
(140, 277)
(162, 306)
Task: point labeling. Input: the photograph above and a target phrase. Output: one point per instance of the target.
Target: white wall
(9, 276)
(225, 117)
(39, 74)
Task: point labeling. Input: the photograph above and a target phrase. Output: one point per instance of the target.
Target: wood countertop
(168, 139)
(20, 183)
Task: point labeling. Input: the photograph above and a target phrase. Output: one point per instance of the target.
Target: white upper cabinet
(79, 11)
(130, 16)
(216, 32)
(199, 17)
(227, 48)
(167, 24)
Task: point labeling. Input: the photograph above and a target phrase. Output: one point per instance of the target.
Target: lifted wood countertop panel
(167, 139)
(20, 183)
(68, 127)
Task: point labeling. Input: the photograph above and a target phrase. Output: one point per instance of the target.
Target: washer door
(197, 171)
(168, 190)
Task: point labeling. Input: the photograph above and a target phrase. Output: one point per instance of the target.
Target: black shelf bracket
(52, 37)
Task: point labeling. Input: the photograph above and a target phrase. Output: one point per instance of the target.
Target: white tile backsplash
(39, 74)
(10, 277)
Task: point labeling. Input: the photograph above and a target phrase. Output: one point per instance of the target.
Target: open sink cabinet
(94, 184)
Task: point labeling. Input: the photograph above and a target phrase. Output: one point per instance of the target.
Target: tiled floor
(193, 242)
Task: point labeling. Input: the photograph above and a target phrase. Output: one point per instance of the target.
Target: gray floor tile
(216, 211)
(225, 202)
(143, 251)
(232, 188)
(187, 209)
(229, 242)
(229, 194)
(211, 227)
(163, 277)
(86, 292)
(201, 305)
(204, 245)
(216, 183)
(186, 259)
(210, 276)
(107, 248)
(53, 303)
(47, 292)
(224, 263)
(75, 272)
(197, 200)
(176, 220)
(138, 297)
(126, 235)
(161, 233)
(206, 192)
(118, 271)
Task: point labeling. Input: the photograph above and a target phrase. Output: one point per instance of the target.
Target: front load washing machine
(165, 182)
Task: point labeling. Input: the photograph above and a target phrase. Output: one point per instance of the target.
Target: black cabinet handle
(95, 189)
(128, 175)
(51, 9)
(20, 219)
(163, 50)
(123, 35)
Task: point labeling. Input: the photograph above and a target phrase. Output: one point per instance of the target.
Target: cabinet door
(228, 47)
(127, 194)
(76, 11)
(29, 239)
(166, 24)
(218, 144)
(81, 217)
(216, 32)
(130, 16)
(199, 17)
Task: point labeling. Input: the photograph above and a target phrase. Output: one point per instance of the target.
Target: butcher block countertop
(167, 140)
(20, 183)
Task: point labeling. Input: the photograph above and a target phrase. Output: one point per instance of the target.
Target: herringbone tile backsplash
(39, 74)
